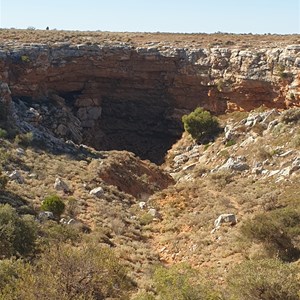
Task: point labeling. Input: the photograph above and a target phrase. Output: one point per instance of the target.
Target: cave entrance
(145, 128)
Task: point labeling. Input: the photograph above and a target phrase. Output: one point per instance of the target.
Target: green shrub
(230, 143)
(146, 219)
(10, 270)
(53, 233)
(181, 282)
(17, 234)
(3, 133)
(276, 230)
(264, 280)
(25, 59)
(201, 125)
(54, 204)
(24, 139)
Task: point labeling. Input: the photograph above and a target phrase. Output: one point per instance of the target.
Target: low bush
(56, 234)
(54, 204)
(3, 133)
(24, 139)
(201, 125)
(276, 230)
(264, 280)
(3, 181)
(181, 282)
(17, 234)
(291, 115)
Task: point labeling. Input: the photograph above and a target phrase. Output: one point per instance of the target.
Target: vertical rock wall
(120, 97)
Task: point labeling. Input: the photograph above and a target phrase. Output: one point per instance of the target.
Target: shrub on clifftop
(201, 125)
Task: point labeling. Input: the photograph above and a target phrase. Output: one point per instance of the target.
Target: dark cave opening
(145, 128)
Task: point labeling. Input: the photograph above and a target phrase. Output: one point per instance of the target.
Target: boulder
(154, 213)
(98, 192)
(16, 176)
(225, 218)
(45, 215)
(142, 205)
(235, 164)
(60, 185)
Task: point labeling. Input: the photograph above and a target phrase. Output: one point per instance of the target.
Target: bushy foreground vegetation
(49, 260)
(67, 272)
(53, 261)
(61, 266)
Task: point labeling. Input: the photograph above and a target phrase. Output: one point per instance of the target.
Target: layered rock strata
(132, 98)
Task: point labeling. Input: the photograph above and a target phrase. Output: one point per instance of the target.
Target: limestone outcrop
(125, 97)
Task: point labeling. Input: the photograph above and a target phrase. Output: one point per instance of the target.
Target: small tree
(54, 204)
(201, 125)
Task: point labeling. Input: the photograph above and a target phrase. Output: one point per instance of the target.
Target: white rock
(273, 172)
(60, 185)
(142, 205)
(236, 164)
(20, 151)
(16, 176)
(98, 192)
(154, 213)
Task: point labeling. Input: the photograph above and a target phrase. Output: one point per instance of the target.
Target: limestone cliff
(121, 96)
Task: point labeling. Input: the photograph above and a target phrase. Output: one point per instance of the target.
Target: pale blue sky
(237, 16)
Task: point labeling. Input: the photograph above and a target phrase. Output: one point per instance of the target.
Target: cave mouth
(147, 126)
(147, 129)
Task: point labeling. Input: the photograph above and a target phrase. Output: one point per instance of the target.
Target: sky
(185, 16)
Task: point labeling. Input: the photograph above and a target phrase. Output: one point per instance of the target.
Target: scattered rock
(142, 205)
(20, 151)
(225, 218)
(16, 176)
(154, 213)
(98, 192)
(45, 215)
(60, 185)
(235, 164)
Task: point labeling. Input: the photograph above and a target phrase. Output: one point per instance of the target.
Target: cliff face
(132, 98)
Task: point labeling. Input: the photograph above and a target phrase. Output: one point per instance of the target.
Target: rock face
(132, 98)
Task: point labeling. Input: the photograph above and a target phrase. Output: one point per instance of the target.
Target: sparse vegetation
(291, 116)
(182, 283)
(277, 230)
(264, 280)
